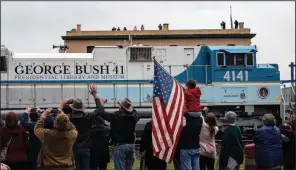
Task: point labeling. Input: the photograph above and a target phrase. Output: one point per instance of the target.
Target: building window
(140, 54)
(3, 64)
(239, 59)
(89, 49)
(220, 59)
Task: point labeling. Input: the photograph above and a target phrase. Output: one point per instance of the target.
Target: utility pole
(231, 23)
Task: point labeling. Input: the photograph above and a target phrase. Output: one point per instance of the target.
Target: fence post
(187, 73)
(206, 67)
(7, 95)
(140, 94)
(114, 95)
(62, 91)
(34, 96)
(88, 94)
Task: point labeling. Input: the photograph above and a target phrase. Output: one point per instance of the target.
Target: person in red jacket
(192, 97)
(16, 156)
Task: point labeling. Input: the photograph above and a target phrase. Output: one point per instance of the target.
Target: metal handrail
(284, 103)
(293, 89)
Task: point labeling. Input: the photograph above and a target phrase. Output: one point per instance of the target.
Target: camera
(55, 111)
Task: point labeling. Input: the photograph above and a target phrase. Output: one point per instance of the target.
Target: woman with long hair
(207, 142)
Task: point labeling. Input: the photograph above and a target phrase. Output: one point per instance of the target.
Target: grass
(137, 166)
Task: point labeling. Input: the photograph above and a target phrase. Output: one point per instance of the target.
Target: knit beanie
(61, 122)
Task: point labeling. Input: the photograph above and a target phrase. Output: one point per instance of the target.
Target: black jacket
(122, 124)
(152, 162)
(83, 123)
(189, 138)
(289, 149)
(99, 151)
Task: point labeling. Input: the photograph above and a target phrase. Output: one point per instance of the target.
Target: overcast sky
(29, 27)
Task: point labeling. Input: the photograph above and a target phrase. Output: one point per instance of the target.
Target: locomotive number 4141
(236, 76)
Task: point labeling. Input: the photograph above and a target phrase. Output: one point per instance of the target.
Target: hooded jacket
(192, 100)
(17, 150)
(56, 150)
(268, 147)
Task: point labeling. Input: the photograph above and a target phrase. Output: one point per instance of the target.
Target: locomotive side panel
(119, 77)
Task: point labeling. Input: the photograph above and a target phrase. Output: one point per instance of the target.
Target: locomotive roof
(53, 55)
(233, 49)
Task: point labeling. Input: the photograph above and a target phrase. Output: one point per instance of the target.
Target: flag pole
(231, 23)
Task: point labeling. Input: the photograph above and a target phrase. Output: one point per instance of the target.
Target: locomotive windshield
(235, 59)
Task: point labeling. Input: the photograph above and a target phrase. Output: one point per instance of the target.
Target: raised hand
(103, 101)
(61, 111)
(28, 110)
(93, 89)
(39, 110)
(46, 113)
(63, 103)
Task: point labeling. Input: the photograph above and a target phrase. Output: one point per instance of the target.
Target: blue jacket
(268, 147)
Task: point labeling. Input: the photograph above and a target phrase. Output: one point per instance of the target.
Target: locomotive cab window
(3, 64)
(141, 54)
(239, 59)
(220, 59)
(250, 59)
(230, 59)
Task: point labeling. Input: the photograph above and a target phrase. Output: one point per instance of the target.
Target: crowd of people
(68, 138)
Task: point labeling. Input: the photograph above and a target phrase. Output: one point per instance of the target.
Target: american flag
(167, 113)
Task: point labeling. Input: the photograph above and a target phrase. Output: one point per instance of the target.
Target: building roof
(159, 34)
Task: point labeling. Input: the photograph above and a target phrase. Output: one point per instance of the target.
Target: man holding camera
(56, 151)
